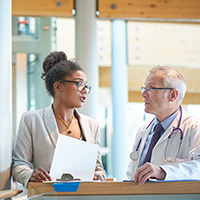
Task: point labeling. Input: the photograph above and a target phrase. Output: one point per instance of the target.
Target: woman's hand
(98, 177)
(40, 175)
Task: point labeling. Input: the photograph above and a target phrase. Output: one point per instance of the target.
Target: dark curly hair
(56, 67)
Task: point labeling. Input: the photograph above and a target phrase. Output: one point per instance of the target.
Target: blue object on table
(66, 186)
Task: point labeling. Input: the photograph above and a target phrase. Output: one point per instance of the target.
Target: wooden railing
(121, 188)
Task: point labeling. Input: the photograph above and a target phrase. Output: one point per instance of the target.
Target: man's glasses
(80, 85)
(149, 89)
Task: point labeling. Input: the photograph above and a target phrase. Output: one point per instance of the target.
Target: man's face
(156, 102)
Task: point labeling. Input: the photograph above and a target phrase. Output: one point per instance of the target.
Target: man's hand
(40, 175)
(147, 171)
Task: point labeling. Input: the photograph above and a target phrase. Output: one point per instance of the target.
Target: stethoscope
(135, 154)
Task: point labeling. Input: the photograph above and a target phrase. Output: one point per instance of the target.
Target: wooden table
(122, 188)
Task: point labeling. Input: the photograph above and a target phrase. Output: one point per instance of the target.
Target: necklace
(68, 126)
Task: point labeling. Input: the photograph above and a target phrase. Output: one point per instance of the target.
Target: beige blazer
(36, 141)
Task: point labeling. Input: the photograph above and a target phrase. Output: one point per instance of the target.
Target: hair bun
(51, 60)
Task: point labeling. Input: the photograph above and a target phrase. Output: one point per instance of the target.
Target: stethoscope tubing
(138, 146)
(132, 155)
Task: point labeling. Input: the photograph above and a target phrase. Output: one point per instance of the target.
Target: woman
(38, 130)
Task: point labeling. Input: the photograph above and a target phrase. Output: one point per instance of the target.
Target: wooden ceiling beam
(163, 9)
(138, 74)
(42, 8)
(190, 98)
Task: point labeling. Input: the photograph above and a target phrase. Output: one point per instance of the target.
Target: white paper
(74, 156)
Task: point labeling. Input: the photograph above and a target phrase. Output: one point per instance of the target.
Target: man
(175, 153)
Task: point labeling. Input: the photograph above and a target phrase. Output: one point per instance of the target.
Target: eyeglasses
(80, 85)
(149, 89)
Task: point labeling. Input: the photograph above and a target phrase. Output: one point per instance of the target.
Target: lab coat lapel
(50, 123)
(170, 128)
(144, 134)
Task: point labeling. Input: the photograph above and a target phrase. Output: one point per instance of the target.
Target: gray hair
(171, 78)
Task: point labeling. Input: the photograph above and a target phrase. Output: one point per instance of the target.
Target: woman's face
(69, 93)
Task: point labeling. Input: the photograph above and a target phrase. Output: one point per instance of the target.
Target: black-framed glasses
(80, 85)
(149, 89)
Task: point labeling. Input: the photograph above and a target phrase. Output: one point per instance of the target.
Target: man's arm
(183, 171)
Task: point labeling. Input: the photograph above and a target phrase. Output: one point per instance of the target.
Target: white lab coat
(187, 164)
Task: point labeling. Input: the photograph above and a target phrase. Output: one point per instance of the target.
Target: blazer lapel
(84, 127)
(50, 123)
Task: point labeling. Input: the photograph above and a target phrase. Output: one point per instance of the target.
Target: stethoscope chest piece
(134, 155)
